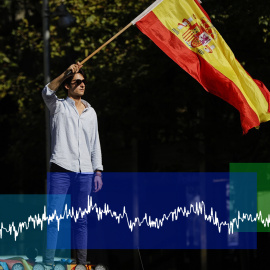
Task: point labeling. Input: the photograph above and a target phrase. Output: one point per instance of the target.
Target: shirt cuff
(99, 168)
(48, 91)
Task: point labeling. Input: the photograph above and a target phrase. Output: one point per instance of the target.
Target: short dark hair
(69, 79)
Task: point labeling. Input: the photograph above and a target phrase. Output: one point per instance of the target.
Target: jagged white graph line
(198, 209)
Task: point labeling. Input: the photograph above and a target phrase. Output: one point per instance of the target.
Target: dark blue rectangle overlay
(173, 211)
(138, 210)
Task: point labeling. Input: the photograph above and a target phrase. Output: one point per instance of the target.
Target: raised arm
(49, 90)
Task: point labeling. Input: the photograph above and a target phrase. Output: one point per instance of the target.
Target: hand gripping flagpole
(145, 12)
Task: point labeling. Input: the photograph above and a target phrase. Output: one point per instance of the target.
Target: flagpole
(145, 12)
(106, 43)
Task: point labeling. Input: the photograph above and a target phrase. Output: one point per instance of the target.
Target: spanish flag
(184, 31)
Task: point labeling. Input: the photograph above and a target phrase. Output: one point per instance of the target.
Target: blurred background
(153, 117)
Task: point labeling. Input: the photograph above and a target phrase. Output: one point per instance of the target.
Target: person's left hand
(98, 183)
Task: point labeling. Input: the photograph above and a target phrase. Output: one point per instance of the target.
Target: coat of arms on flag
(200, 33)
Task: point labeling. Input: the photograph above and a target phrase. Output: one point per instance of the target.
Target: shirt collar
(72, 102)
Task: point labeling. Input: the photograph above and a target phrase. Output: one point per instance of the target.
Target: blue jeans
(60, 183)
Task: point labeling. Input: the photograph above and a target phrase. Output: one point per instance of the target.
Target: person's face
(77, 86)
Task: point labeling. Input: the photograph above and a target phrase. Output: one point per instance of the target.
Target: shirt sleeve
(50, 99)
(96, 156)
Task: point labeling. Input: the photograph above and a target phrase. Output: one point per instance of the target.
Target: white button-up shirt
(75, 142)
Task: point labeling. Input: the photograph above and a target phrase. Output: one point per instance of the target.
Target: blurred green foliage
(152, 115)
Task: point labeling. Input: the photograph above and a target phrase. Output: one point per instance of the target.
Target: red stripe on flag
(210, 78)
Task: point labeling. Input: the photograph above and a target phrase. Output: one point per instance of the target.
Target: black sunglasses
(79, 81)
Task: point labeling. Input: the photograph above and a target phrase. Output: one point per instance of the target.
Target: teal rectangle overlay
(243, 201)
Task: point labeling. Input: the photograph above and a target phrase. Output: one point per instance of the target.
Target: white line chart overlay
(198, 209)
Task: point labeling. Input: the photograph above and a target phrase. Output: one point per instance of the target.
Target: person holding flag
(75, 157)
